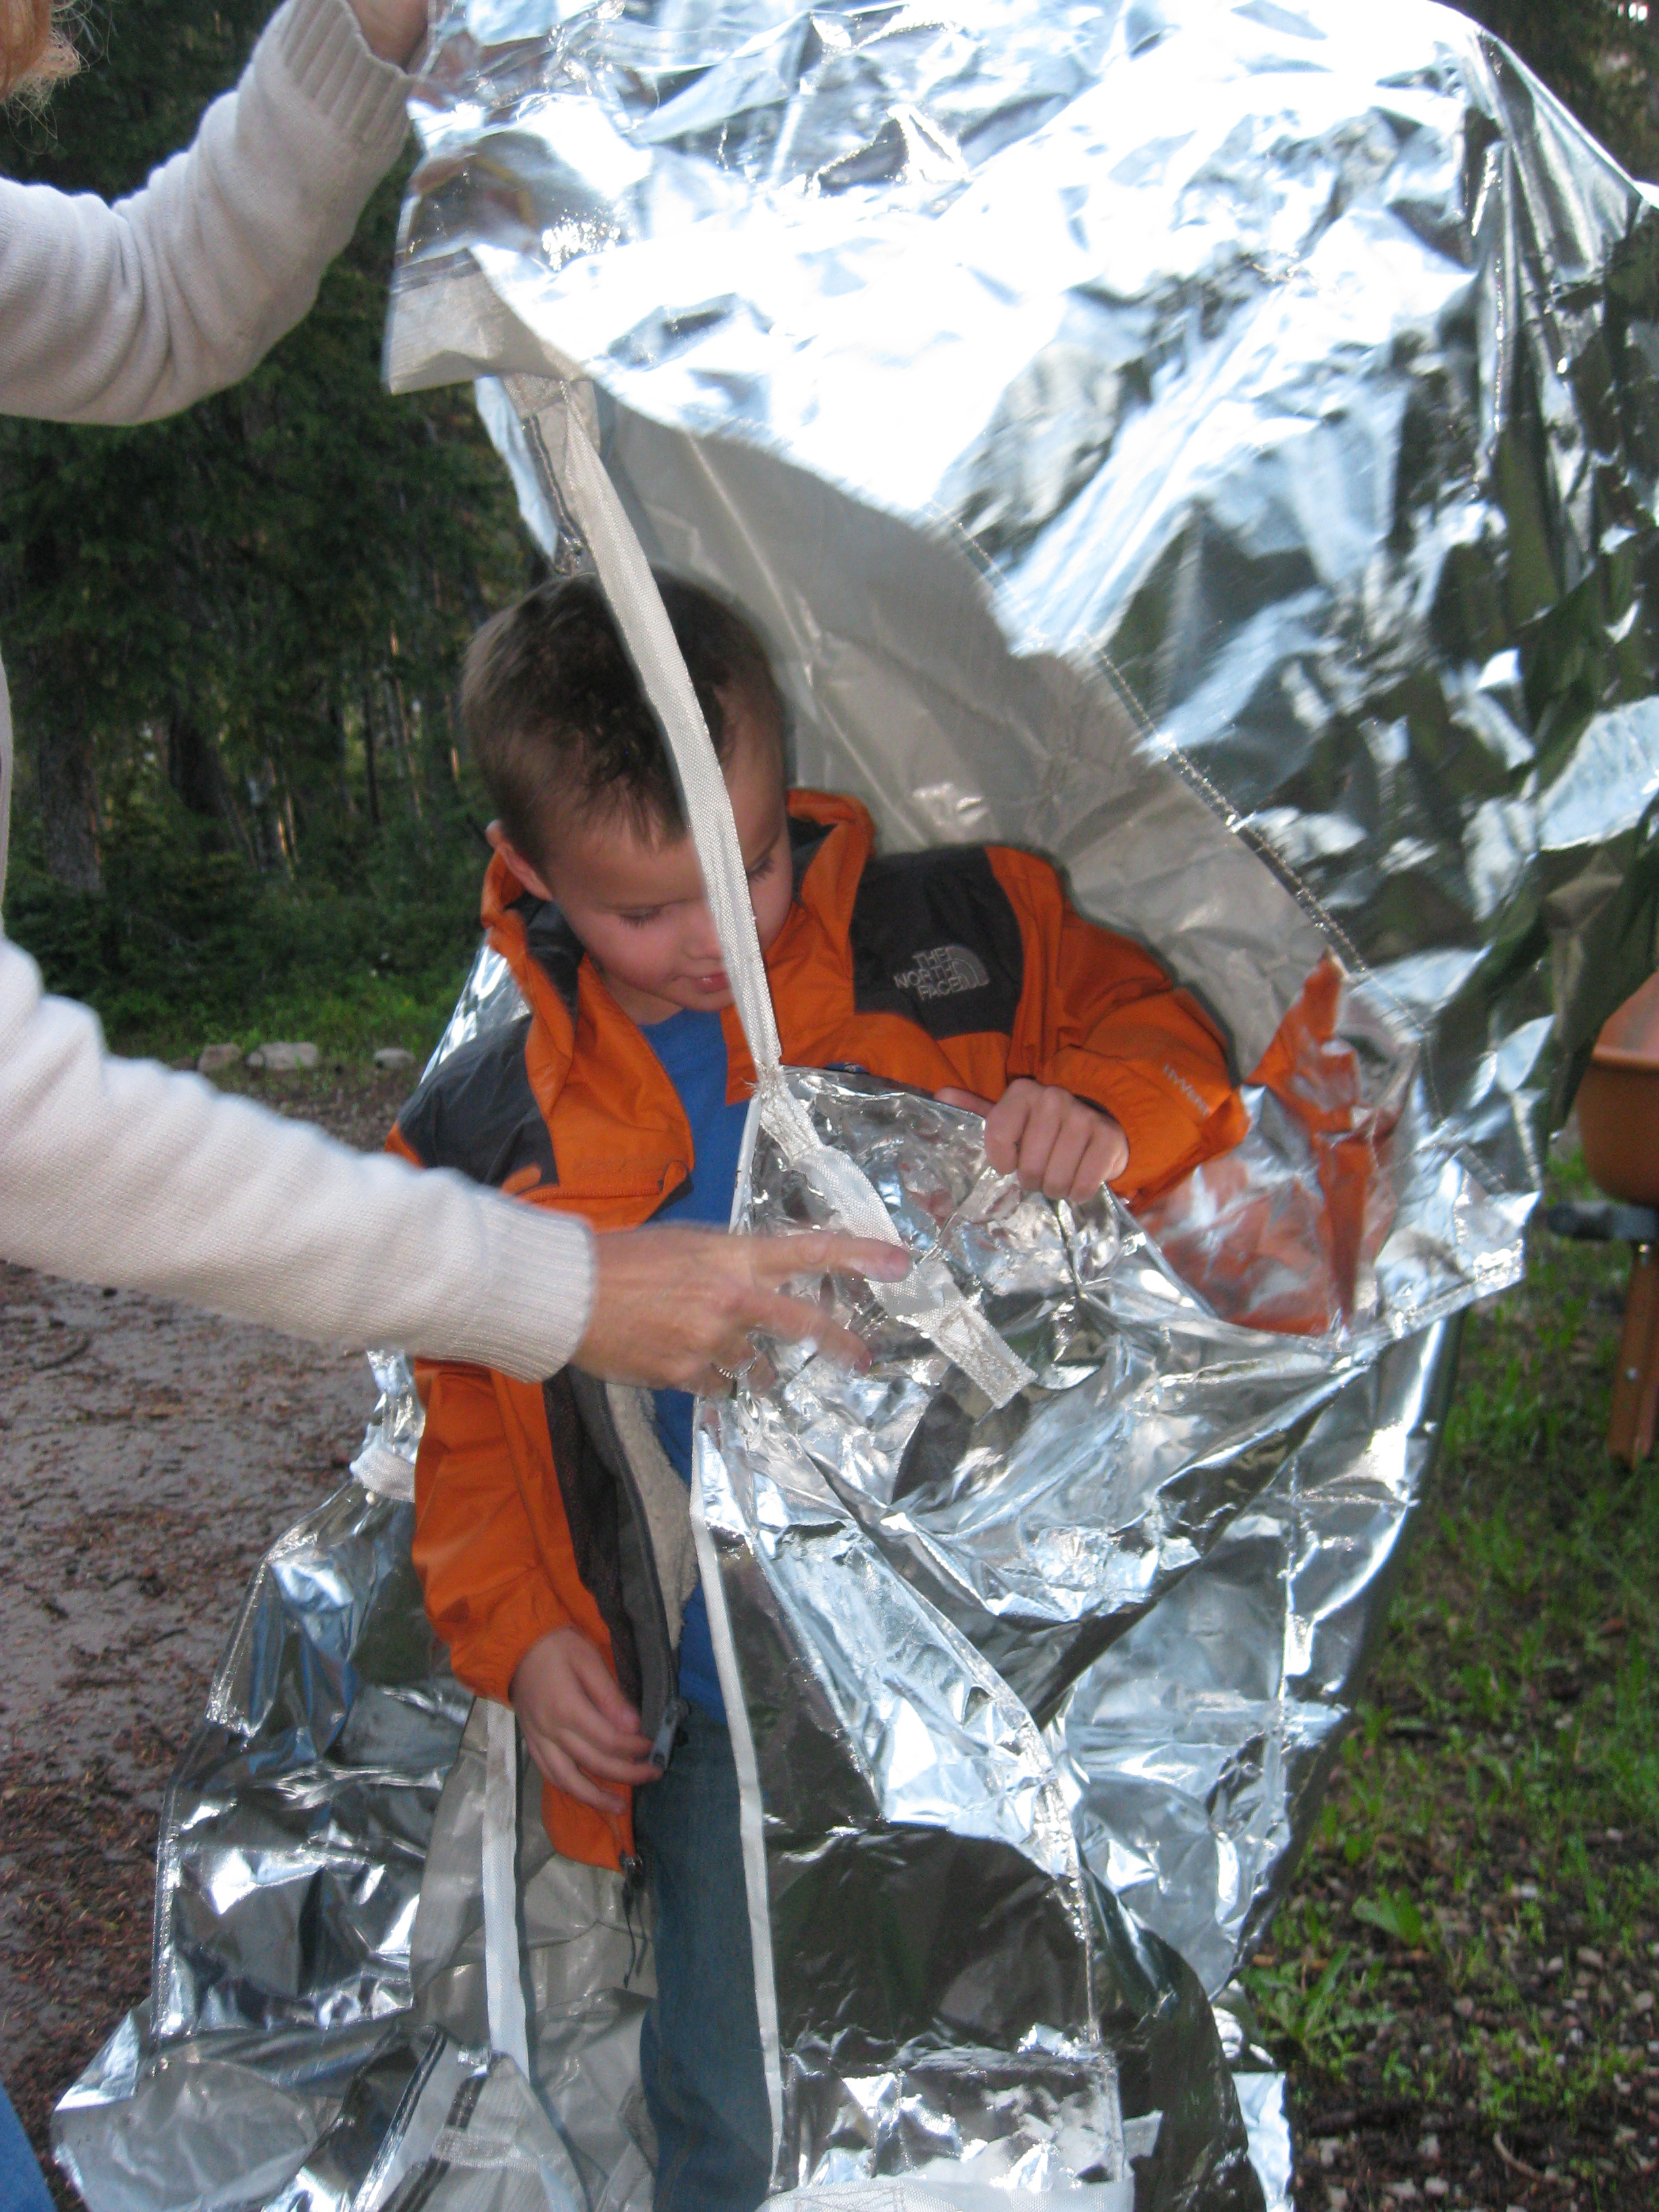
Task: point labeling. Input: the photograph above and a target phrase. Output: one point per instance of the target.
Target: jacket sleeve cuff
(1169, 1131)
(536, 1295)
(321, 50)
(488, 1662)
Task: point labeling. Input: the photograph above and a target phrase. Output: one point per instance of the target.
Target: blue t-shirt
(691, 1047)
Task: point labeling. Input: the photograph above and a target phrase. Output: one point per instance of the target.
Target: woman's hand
(391, 28)
(1055, 1142)
(673, 1308)
(582, 1731)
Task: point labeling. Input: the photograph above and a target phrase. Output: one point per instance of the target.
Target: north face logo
(944, 972)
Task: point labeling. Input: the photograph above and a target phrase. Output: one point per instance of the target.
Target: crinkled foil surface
(1216, 445)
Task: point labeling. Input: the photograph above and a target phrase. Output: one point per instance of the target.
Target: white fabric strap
(385, 1472)
(503, 1980)
(560, 442)
(929, 1298)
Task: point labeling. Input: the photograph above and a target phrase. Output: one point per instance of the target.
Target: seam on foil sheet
(1307, 899)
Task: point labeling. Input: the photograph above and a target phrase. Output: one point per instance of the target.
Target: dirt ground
(148, 1454)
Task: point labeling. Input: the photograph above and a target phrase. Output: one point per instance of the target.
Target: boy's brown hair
(552, 705)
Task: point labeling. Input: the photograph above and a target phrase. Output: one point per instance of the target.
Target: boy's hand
(1056, 1143)
(577, 1722)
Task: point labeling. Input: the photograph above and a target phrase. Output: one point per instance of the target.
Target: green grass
(190, 946)
(1475, 1926)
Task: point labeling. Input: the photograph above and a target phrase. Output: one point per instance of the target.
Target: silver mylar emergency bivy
(1215, 446)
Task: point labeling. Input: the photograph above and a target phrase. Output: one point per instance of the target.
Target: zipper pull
(633, 1874)
(675, 1714)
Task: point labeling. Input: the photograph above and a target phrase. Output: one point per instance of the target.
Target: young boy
(552, 1524)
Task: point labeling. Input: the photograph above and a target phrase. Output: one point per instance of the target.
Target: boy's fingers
(970, 1099)
(1105, 1157)
(609, 1765)
(595, 1679)
(584, 1772)
(1005, 1126)
(587, 1736)
(562, 1772)
(1066, 1159)
(1045, 1114)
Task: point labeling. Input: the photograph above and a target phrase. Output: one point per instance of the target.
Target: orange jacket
(963, 966)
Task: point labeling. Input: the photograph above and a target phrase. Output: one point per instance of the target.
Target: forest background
(243, 809)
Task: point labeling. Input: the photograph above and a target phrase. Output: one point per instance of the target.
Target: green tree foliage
(1597, 56)
(233, 636)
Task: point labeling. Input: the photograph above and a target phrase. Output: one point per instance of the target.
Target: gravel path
(148, 1454)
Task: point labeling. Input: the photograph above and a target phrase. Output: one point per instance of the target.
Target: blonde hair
(34, 48)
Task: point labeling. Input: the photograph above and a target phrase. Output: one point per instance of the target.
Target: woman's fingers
(796, 1320)
(668, 1304)
(798, 1252)
(392, 29)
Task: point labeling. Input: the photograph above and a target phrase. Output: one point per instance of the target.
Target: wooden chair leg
(1636, 1379)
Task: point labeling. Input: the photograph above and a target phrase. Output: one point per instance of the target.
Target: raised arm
(123, 313)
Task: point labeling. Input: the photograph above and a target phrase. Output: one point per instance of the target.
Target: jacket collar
(832, 837)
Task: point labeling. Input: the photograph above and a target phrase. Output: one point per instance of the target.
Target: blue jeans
(700, 2054)
(22, 2185)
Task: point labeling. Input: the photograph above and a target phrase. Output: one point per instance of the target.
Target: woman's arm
(116, 1171)
(122, 313)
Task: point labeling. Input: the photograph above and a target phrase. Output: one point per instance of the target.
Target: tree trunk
(394, 693)
(337, 730)
(394, 714)
(193, 768)
(371, 780)
(66, 784)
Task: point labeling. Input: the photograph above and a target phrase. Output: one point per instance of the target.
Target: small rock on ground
(216, 1056)
(277, 1059)
(394, 1055)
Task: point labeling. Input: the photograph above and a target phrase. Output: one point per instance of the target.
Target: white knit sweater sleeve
(116, 1171)
(120, 314)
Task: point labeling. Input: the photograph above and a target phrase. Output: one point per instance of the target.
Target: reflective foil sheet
(1214, 444)
(1165, 1549)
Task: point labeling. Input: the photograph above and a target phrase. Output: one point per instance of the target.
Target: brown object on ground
(1617, 1102)
(1636, 1378)
(1617, 1109)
